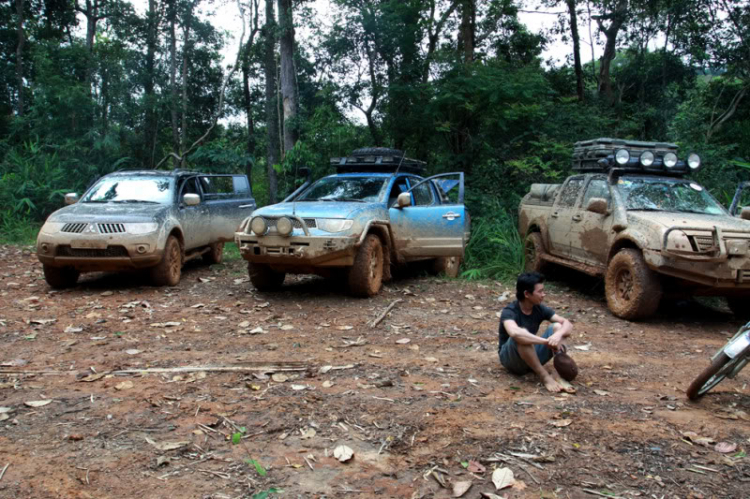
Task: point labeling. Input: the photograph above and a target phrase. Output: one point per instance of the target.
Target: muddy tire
(633, 290)
(264, 278)
(447, 266)
(215, 254)
(366, 275)
(169, 270)
(60, 277)
(533, 251)
(738, 306)
(711, 376)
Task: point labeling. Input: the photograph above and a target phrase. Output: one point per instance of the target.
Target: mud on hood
(109, 213)
(673, 219)
(318, 209)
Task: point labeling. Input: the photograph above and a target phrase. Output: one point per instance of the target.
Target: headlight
(694, 161)
(51, 227)
(670, 160)
(622, 156)
(142, 228)
(647, 158)
(259, 226)
(284, 226)
(334, 224)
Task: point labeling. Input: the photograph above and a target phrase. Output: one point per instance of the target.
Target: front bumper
(298, 251)
(731, 273)
(88, 253)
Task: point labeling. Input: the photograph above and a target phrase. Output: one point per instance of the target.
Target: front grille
(743, 275)
(75, 228)
(310, 222)
(111, 251)
(704, 243)
(111, 228)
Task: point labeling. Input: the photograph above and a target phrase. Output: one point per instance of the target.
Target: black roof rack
(598, 156)
(377, 160)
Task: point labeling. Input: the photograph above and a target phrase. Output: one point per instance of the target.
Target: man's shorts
(513, 362)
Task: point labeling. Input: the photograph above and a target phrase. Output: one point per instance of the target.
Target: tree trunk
(187, 46)
(272, 118)
(149, 131)
(288, 74)
(576, 48)
(467, 34)
(176, 145)
(19, 54)
(617, 19)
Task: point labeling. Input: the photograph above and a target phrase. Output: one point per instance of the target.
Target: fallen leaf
(603, 393)
(502, 478)
(585, 347)
(476, 467)
(325, 369)
(93, 377)
(309, 433)
(243, 324)
(725, 447)
(403, 341)
(561, 423)
(165, 446)
(41, 322)
(257, 330)
(343, 453)
(327, 384)
(125, 385)
(3, 417)
(279, 377)
(72, 329)
(519, 485)
(344, 328)
(3, 410)
(166, 324)
(132, 351)
(37, 403)
(299, 387)
(430, 359)
(287, 327)
(461, 488)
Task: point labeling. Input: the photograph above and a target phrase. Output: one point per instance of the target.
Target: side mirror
(71, 198)
(403, 200)
(745, 213)
(191, 199)
(597, 205)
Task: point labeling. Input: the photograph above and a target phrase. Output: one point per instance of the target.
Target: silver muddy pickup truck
(630, 216)
(143, 219)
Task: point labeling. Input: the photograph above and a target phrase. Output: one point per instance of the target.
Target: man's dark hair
(527, 282)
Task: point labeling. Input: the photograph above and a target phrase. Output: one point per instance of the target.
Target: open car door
(435, 223)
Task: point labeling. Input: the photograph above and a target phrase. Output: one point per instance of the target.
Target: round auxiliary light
(284, 226)
(259, 225)
(670, 160)
(647, 158)
(622, 156)
(694, 161)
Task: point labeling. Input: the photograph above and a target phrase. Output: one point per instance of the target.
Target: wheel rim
(174, 260)
(450, 264)
(624, 284)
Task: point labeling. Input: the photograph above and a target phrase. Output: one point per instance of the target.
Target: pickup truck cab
(631, 217)
(143, 219)
(377, 211)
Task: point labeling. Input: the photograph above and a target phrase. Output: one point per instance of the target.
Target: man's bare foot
(566, 386)
(551, 385)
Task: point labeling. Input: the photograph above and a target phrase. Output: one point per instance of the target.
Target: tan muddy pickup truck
(630, 216)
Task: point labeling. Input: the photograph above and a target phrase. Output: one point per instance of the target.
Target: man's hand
(555, 341)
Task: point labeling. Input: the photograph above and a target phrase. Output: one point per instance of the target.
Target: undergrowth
(495, 250)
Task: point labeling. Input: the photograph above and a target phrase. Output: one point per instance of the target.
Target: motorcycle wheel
(712, 376)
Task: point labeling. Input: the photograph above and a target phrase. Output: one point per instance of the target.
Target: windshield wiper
(646, 209)
(352, 200)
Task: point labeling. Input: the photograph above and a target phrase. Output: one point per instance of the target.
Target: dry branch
(382, 316)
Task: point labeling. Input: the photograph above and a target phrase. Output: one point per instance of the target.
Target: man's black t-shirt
(529, 322)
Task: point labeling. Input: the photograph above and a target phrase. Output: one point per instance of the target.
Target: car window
(241, 185)
(190, 186)
(398, 187)
(217, 186)
(422, 193)
(660, 194)
(447, 189)
(131, 189)
(597, 188)
(570, 192)
(365, 189)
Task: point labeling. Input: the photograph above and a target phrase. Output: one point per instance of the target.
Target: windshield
(363, 189)
(660, 194)
(145, 189)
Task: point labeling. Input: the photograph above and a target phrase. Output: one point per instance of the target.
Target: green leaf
(236, 437)
(740, 454)
(258, 467)
(465, 464)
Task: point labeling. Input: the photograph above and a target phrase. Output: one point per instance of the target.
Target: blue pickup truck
(375, 212)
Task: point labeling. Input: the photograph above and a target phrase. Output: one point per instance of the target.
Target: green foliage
(267, 493)
(258, 467)
(495, 250)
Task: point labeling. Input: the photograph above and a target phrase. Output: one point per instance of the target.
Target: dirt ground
(420, 399)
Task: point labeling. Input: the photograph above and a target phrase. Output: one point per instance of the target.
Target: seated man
(521, 350)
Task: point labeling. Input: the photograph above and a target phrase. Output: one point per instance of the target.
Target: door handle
(246, 206)
(577, 218)
(451, 216)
